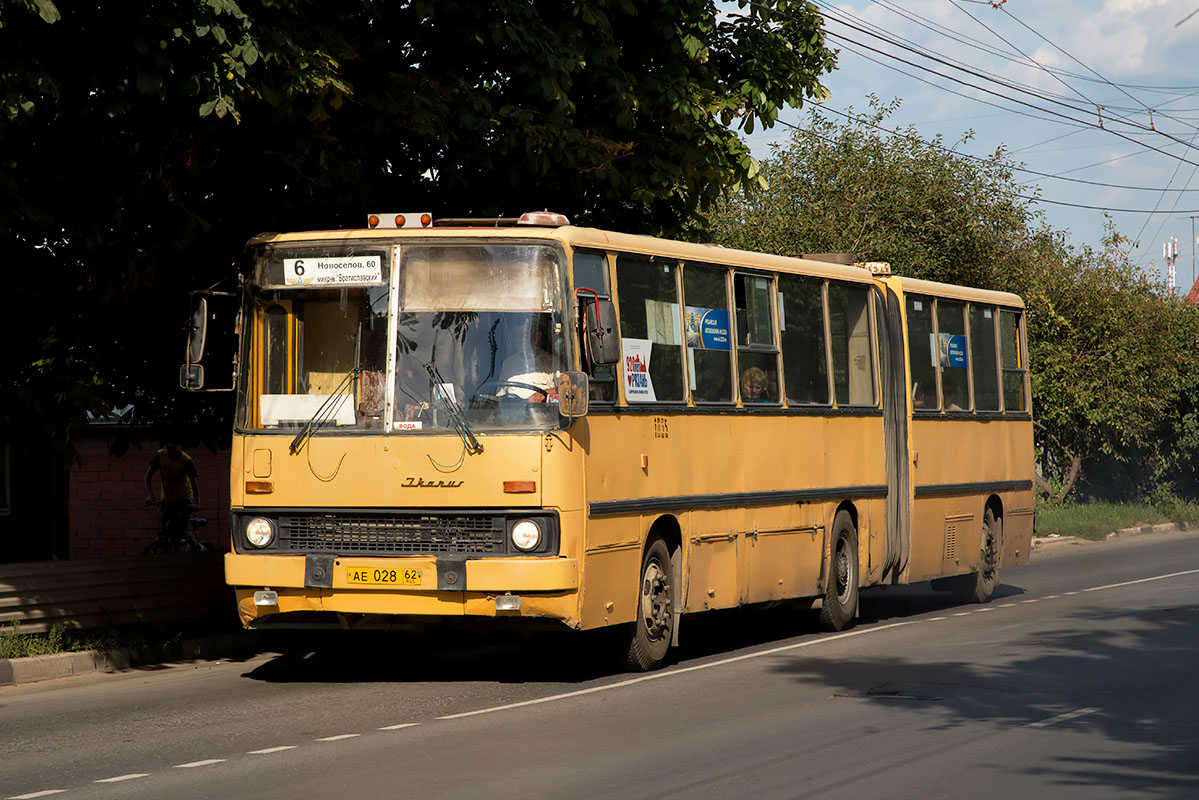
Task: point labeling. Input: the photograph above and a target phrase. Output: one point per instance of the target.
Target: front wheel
(654, 626)
(839, 605)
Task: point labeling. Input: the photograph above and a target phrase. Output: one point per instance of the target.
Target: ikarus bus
(520, 419)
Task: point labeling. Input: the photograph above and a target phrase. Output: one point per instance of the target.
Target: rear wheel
(978, 586)
(840, 602)
(651, 635)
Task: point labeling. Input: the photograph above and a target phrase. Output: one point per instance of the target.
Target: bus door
(895, 433)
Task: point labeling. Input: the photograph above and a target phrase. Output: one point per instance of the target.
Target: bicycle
(170, 540)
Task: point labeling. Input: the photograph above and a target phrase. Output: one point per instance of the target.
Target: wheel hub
(655, 601)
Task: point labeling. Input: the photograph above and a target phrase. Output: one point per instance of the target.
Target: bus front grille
(393, 534)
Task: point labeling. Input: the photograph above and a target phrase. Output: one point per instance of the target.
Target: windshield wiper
(327, 411)
(450, 404)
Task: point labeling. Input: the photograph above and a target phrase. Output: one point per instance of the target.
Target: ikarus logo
(421, 483)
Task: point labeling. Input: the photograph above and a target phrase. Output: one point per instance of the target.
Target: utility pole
(1193, 276)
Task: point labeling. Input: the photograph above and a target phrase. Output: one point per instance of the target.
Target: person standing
(180, 490)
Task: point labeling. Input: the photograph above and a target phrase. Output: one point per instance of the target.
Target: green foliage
(1096, 519)
(852, 188)
(1108, 363)
(1114, 369)
(14, 644)
(141, 145)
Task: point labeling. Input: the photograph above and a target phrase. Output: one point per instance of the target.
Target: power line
(1014, 100)
(836, 15)
(863, 120)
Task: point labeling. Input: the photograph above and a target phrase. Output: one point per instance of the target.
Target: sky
(1036, 77)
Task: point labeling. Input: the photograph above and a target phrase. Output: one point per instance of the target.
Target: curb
(31, 669)
(1165, 527)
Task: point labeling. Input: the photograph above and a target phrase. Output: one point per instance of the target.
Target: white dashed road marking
(205, 763)
(1045, 723)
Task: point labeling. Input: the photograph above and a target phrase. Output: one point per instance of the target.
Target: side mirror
(197, 329)
(191, 377)
(573, 390)
(599, 321)
(211, 332)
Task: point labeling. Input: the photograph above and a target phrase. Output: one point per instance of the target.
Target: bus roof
(637, 244)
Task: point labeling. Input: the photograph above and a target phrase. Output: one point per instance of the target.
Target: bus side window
(801, 322)
(853, 359)
(591, 272)
(922, 353)
(650, 330)
(985, 367)
(951, 340)
(757, 351)
(1014, 366)
(709, 339)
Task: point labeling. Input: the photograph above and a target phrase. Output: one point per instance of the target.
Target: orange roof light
(405, 220)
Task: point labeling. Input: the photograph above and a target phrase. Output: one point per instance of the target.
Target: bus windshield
(474, 329)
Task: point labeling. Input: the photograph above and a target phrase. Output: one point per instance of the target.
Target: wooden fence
(98, 592)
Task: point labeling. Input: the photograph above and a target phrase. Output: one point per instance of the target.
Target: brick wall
(107, 496)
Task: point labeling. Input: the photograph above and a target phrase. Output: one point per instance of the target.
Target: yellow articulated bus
(524, 419)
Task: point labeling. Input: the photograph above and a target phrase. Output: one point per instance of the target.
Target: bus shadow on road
(558, 656)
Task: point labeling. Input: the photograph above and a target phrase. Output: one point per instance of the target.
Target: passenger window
(651, 366)
(922, 353)
(1014, 398)
(709, 338)
(982, 354)
(591, 272)
(757, 351)
(852, 350)
(951, 355)
(801, 323)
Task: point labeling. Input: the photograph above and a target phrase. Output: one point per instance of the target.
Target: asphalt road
(1077, 680)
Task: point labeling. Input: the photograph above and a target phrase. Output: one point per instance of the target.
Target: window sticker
(708, 329)
(952, 350)
(638, 386)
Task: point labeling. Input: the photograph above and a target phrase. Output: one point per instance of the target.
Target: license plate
(383, 576)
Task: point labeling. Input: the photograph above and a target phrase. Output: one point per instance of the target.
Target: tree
(142, 145)
(854, 187)
(1113, 364)
(1107, 369)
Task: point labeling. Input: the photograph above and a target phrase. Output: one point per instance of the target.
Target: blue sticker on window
(953, 350)
(708, 329)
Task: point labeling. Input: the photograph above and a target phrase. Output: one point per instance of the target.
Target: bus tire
(978, 586)
(840, 602)
(656, 595)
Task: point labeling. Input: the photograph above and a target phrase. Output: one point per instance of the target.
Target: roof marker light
(549, 219)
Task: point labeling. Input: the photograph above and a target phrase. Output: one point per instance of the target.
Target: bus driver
(528, 372)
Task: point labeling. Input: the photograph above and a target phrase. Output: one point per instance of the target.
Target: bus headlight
(260, 532)
(526, 535)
